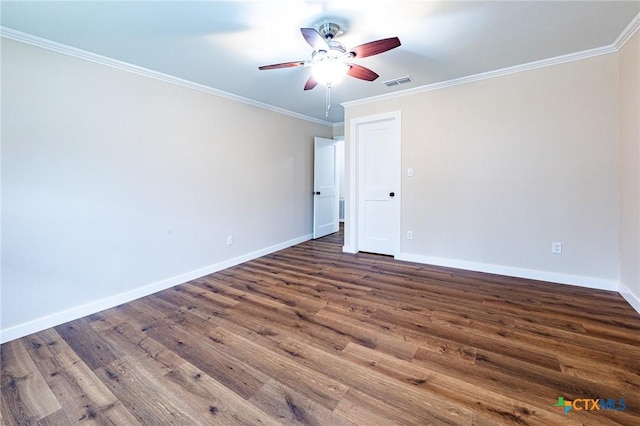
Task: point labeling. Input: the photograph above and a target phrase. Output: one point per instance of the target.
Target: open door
(326, 185)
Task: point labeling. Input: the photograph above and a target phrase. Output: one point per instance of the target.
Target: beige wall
(505, 166)
(630, 168)
(115, 184)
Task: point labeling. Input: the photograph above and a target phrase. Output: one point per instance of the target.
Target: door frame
(352, 196)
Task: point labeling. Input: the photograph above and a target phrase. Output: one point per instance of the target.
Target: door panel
(378, 187)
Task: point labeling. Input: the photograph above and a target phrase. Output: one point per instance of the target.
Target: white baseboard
(533, 274)
(633, 299)
(58, 318)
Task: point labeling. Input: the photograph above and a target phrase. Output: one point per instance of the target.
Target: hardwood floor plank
(44, 345)
(245, 296)
(230, 371)
(291, 407)
(363, 409)
(144, 394)
(622, 319)
(56, 419)
(371, 337)
(279, 293)
(25, 397)
(288, 321)
(72, 381)
(469, 336)
(601, 371)
(588, 346)
(135, 343)
(197, 291)
(323, 389)
(88, 344)
(215, 402)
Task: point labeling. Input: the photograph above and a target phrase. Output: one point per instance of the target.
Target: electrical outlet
(409, 235)
(556, 247)
(410, 172)
(229, 240)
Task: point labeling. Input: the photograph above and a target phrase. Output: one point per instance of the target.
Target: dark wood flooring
(310, 335)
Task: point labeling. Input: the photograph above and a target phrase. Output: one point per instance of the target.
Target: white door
(378, 153)
(326, 186)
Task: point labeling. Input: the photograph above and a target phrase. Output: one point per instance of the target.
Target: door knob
(392, 194)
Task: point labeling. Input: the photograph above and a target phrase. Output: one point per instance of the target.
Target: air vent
(398, 81)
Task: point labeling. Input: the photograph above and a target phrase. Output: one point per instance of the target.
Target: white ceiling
(220, 44)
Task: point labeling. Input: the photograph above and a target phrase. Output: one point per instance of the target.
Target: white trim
(125, 66)
(349, 249)
(90, 308)
(532, 274)
(627, 33)
(629, 296)
(350, 194)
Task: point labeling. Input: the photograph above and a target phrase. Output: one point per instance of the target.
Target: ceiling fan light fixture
(329, 71)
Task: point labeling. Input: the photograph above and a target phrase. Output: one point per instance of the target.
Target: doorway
(328, 183)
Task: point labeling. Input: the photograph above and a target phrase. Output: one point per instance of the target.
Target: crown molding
(627, 33)
(624, 36)
(135, 69)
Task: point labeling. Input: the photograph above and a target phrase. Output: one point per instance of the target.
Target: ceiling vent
(398, 81)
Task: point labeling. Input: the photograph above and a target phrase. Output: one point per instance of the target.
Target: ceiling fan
(330, 60)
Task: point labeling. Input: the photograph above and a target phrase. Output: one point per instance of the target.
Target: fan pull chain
(328, 99)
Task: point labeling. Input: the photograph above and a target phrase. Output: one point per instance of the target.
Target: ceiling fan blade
(375, 47)
(358, 71)
(311, 83)
(282, 65)
(314, 39)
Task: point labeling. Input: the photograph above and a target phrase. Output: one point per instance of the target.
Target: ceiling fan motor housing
(329, 30)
